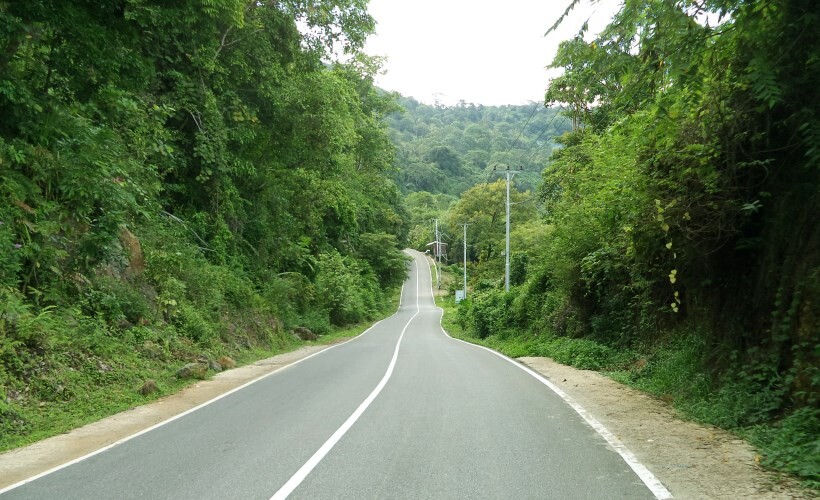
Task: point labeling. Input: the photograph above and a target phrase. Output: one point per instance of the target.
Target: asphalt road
(403, 411)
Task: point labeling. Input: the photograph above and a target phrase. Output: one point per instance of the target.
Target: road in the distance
(402, 411)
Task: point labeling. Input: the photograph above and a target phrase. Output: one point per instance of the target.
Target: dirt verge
(693, 461)
(23, 463)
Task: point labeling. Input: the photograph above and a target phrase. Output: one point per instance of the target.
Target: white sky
(483, 52)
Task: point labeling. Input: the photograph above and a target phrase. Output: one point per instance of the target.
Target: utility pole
(464, 225)
(510, 174)
(437, 259)
(437, 248)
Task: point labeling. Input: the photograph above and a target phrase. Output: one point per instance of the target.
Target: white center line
(317, 457)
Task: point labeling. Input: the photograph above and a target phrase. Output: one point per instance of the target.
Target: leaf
(669, 246)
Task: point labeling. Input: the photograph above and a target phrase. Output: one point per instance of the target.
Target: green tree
(484, 208)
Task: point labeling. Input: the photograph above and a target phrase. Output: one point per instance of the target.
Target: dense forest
(448, 149)
(673, 237)
(443, 152)
(182, 180)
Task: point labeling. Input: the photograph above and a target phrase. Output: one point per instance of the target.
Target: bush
(675, 369)
(347, 289)
(486, 313)
(116, 300)
(9, 248)
(582, 353)
(792, 445)
(381, 252)
(745, 396)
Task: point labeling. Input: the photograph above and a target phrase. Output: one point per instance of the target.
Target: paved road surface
(402, 411)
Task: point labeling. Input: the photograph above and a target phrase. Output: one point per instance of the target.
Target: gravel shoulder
(693, 461)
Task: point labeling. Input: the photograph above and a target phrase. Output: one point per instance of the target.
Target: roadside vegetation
(672, 242)
(182, 183)
(75, 381)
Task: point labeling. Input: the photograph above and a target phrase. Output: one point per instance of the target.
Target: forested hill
(181, 180)
(448, 149)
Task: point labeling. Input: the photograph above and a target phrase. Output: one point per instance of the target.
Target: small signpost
(459, 296)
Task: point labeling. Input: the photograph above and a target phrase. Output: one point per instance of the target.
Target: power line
(633, 90)
(535, 143)
(534, 109)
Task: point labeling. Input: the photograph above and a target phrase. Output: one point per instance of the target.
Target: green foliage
(181, 178)
(116, 302)
(449, 149)
(10, 257)
(382, 254)
(582, 353)
(423, 208)
(684, 200)
(347, 289)
(483, 207)
(518, 268)
(792, 445)
(484, 314)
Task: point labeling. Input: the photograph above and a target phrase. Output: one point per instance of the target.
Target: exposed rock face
(304, 333)
(131, 245)
(226, 362)
(149, 387)
(193, 370)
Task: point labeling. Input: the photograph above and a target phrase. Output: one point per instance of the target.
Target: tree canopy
(448, 149)
(200, 174)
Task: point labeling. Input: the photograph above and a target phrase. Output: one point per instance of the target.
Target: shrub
(347, 289)
(792, 445)
(583, 353)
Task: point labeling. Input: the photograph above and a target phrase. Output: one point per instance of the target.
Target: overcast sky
(483, 52)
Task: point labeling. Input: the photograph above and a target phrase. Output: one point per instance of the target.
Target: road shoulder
(29, 461)
(693, 461)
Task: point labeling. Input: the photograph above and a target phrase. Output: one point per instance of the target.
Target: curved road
(402, 411)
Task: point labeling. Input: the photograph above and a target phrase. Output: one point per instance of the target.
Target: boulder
(149, 387)
(153, 351)
(193, 370)
(214, 365)
(226, 362)
(304, 333)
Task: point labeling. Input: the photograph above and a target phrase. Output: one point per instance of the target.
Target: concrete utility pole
(510, 174)
(437, 250)
(464, 225)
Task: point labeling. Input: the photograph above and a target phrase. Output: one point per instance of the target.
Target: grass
(579, 353)
(746, 400)
(67, 387)
(739, 402)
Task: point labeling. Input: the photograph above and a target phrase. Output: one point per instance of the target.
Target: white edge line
(655, 486)
(186, 412)
(300, 475)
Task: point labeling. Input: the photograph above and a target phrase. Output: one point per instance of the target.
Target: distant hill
(447, 150)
